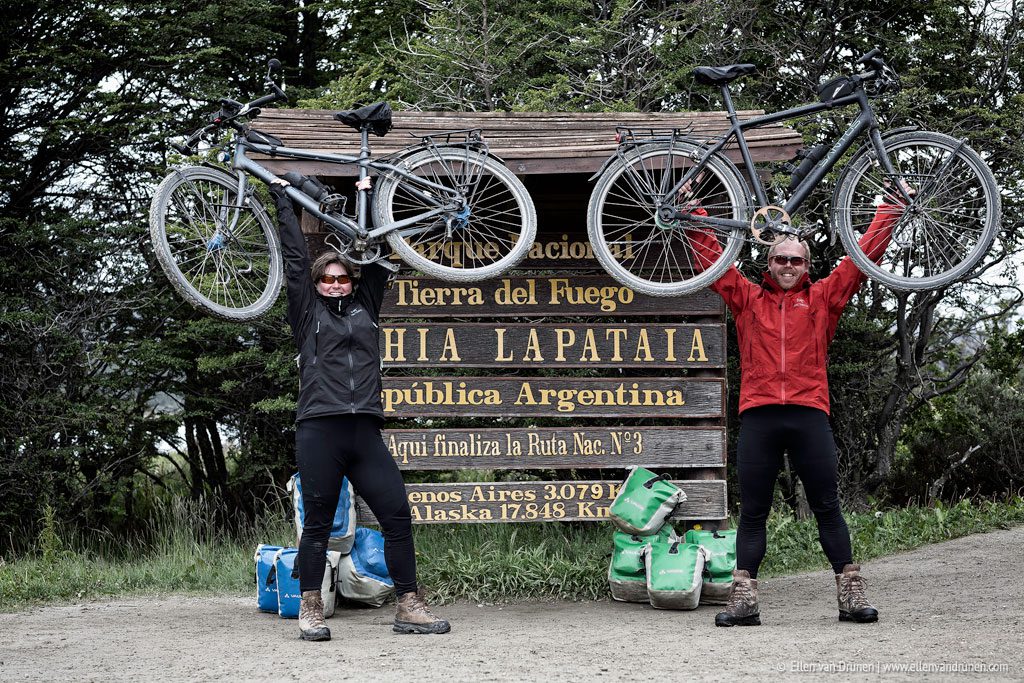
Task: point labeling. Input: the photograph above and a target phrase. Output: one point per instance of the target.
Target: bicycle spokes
(217, 244)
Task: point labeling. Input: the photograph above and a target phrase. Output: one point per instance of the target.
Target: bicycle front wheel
(220, 251)
(647, 254)
(489, 234)
(948, 227)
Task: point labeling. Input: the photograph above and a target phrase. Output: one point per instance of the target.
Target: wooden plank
(528, 142)
(539, 501)
(686, 397)
(555, 447)
(579, 295)
(568, 345)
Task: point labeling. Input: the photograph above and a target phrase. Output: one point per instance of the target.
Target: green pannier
(720, 547)
(627, 577)
(674, 574)
(644, 502)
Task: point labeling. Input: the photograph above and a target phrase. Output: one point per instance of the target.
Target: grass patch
(182, 551)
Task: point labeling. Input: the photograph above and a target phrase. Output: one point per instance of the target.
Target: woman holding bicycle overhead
(335, 322)
(784, 326)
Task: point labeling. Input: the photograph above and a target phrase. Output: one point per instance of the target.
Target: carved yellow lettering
(394, 344)
(564, 337)
(697, 347)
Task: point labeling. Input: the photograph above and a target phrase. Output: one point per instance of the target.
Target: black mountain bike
(444, 205)
(647, 193)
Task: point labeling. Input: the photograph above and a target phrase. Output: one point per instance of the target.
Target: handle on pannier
(650, 482)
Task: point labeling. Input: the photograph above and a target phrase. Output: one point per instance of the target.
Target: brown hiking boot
(742, 609)
(413, 616)
(311, 617)
(853, 604)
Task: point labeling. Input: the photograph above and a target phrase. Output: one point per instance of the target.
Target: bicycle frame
(355, 230)
(865, 121)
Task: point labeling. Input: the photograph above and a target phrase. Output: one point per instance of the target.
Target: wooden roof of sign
(528, 142)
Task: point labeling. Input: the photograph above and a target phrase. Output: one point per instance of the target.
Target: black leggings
(765, 433)
(335, 446)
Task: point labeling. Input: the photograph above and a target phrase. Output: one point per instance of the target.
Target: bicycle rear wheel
(641, 251)
(947, 229)
(221, 254)
(490, 234)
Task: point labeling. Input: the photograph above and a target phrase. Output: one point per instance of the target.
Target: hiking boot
(853, 604)
(742, 609)
(311, 617)
(413, 616)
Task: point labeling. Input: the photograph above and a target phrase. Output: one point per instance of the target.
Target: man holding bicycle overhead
(335, 320)
(784, 327)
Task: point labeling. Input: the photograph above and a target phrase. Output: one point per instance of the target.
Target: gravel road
(948, 611)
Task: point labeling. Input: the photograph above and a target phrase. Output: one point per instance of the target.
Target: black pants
(766, 432)
(329, 448)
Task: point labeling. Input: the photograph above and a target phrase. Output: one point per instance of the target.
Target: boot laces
(311, 611)
(853, 591)
(741, 595)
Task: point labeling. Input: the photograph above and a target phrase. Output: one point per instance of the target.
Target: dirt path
(948, 611)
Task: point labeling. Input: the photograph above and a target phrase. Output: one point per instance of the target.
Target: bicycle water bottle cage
(720, 75)
(840, 86)
(308, 184)
(810, 158)
(374, 117)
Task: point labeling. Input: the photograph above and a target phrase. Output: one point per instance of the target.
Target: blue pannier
(363, 574)
(288, 593)
(343, 529)
(266, 577)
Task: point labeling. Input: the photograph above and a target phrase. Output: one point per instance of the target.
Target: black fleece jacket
(338, 338)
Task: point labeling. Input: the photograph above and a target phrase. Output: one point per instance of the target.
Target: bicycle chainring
(770, 224)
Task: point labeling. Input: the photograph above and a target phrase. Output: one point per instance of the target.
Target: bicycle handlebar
(868, 56)
(231, 110)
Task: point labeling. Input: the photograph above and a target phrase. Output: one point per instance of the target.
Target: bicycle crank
(770, 224)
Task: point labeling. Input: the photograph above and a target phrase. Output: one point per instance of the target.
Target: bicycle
(648, 192)
(444, 205)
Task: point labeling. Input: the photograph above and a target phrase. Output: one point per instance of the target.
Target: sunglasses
(795, 261)
(331, 279)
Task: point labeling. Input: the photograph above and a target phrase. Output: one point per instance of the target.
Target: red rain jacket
(784, 335)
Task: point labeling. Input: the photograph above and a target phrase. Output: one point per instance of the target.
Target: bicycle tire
(947, 231)
(630, 241)
(492, 235)
(234, 274)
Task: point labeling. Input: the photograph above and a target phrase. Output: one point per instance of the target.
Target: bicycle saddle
(376, 117)
(720, 75)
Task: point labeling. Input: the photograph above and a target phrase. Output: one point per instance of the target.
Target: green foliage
(186, 550)
(793, 544)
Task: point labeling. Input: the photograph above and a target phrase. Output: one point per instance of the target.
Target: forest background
(115, 396)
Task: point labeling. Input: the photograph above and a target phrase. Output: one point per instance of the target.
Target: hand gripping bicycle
(444, 205)
(660, 185)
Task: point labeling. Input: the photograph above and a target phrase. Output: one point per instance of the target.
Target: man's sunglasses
(795, 261)
(331, 279)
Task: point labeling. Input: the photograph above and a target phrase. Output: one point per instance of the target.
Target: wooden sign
(553, 397)
(540, 501)
(554, 345)
(555, 447)
(571, 295)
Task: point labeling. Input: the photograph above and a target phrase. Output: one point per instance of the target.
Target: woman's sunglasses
(795, 261)
(331, 279)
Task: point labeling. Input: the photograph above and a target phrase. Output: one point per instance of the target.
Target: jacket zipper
(782, 384)
(316, 341)
(351, 367)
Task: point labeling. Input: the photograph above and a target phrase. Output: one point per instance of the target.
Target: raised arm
(705, 249)
(846, 279)
(296, 258)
